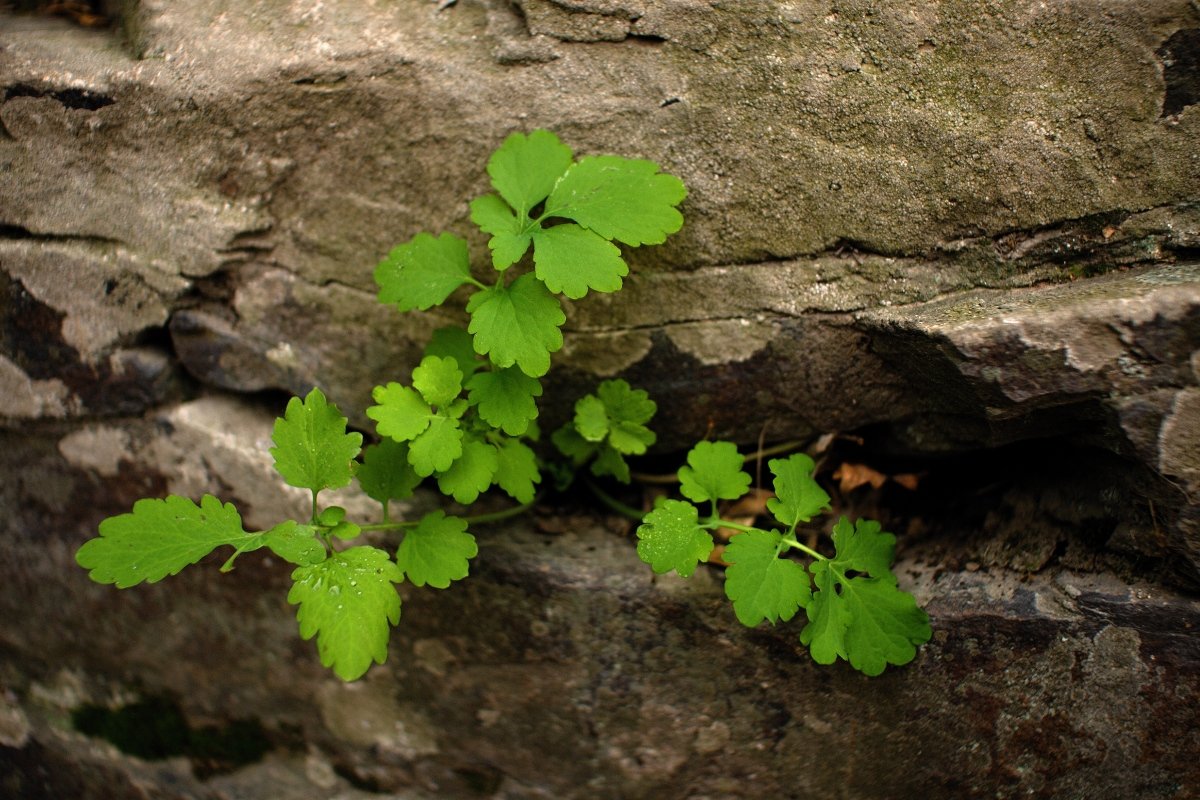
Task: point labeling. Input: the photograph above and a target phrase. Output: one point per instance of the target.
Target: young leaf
(610, 462)
(799, 497)
(312, 449)
(625, 403)
(866, 619)
(572, 445)
(630, 438)
(423, 272)
(714, 472)
(347, 602)
(571, 260)
(517, 324)
(291, 541)
(509, 239)
(454, 342)
(517, 470)
(160, 537)
(505, 398)
(437, 448)
(471, 473)
(670, 538)
(401, 414)
(760, 583)
(437, 551)
(591, 418)
(385, 473)
(525, 168)
(439, 380)
(624, 199)
(616, 415)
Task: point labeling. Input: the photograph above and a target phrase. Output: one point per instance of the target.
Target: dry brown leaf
(852, 476)
(909, 480)
(715, 556)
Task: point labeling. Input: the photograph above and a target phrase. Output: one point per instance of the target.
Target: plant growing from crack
(467, 420)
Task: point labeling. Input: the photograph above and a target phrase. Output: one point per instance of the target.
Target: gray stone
(563, 668)
(964, 233)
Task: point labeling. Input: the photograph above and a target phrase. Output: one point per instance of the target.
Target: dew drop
(335, 590)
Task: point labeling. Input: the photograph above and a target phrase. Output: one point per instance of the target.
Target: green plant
(857, 613)
(466, 420)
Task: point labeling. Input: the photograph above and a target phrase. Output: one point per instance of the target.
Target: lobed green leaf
(571, 260)
(312, 449)
(509, 239)
(760, 583)
(612, 463)
(293, 542)
(471, 473)
(423, 272)
(619, 198)
(517, 470)
(865, 619)
(505, 398)
(517, 324)
(348, 602)
(160, 537)
(714, 472)
(454, 342)
(670, 538)
(798, 496)
(625, 403)
(385, 473)
(524, 168)
(439, 380)
(437, 448)
(401, 413)
(437, 551)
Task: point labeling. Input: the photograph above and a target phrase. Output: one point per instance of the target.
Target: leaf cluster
(345, 598)
(466, 418)
(571, 215)
(607, 427)
(855, 608)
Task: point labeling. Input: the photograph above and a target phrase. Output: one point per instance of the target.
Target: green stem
(716, 522)
(478, 519)
(314, 506)
(785, 447)
(791, 542)
(614, 503)
(788, 540)
(497, 516)
(479, 284)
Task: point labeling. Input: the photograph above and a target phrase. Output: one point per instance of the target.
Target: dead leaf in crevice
(715, 557)
(851, 476)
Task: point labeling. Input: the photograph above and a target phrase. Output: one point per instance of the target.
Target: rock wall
(968, 233)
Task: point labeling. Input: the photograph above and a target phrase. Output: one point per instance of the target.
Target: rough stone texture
(969, 233)
(564, 669)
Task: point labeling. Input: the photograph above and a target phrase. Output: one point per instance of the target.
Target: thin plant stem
(614, 503)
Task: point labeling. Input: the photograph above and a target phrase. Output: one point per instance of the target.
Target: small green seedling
(855, 609)
(467, 420)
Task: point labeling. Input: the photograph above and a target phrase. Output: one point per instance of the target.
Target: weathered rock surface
(563, 668)
(969, 233)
